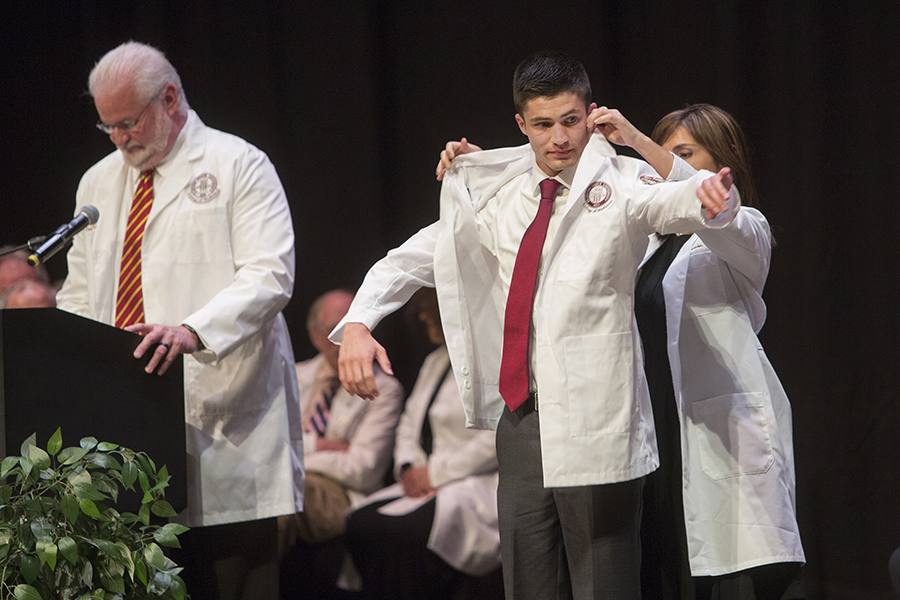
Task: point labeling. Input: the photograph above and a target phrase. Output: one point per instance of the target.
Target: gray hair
(144, 66)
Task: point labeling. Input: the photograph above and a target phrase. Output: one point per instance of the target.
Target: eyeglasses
(126, 125)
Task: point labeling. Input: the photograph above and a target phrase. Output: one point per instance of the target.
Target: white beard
(146, 156)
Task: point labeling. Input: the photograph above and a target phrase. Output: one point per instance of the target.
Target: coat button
(468, 384)
(465, 371)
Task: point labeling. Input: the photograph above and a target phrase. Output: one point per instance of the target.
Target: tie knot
(147, 175)
(548, 189)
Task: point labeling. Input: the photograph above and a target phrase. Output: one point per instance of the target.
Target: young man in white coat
(215, 251)
(574, 428)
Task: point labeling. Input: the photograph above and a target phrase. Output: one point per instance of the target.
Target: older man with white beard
(194, 250)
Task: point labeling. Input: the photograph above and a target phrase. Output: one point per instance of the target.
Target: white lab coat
(368, 427)
(596, 421)
(221, 259)
(736, 437)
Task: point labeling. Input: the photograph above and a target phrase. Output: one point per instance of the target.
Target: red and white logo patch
(204, 188)
(598, 196)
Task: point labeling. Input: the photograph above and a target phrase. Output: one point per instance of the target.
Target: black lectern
(61, 370)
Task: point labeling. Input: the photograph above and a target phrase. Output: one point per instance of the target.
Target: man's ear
(170, 99)
(521, 123)
(592, 107)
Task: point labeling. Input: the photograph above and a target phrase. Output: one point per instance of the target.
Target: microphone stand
(31, 245)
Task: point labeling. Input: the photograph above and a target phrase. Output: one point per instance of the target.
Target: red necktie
(130, 298)
(514, 379)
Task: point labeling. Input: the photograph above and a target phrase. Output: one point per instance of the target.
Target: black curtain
(353, 101)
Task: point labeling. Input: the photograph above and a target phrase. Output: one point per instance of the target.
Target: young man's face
(556, 129)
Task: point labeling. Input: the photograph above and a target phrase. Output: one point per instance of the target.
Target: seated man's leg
(601, 528)
(531, 542)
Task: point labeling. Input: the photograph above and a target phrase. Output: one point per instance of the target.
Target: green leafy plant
(59, 540)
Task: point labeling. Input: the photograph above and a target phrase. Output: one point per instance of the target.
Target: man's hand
(358, 350)
(714, 192)
(451, 151)
(614, 127)
(415, 482)
(172, 342)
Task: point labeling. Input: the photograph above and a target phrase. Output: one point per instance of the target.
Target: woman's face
(686, 147)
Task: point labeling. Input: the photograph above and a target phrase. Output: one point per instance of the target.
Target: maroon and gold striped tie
(130, 299)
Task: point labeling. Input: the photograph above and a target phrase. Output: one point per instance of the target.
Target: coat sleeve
(673, 206)
(392, 281)
(745, 245)
(262, 238)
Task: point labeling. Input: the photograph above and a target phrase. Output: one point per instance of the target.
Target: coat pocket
(599, 377)
(733, 435)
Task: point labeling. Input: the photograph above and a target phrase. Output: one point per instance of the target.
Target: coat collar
(175, 171)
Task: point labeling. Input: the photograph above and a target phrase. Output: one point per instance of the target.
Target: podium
(61, 370)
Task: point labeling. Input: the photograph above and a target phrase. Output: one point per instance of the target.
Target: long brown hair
(721, 136)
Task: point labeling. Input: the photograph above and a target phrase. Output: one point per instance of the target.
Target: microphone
(63, 235)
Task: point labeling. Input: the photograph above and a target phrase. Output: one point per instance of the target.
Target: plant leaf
(88, 442)
(68, 548)
(106, 461)
(40, 458)
(26, 592)
(87, 575)
(167, 535)
(126, 558)
(153, 554)
(89, 508)
(30, 566)
(27, 464)
(109, 548)
(129, 474)
(177, 588)
(9, 463)
(72, 455)
(55, 442)
(144, 514)
(106, 447)
(140, 570)
(41, 529)
(162, 581)
(88, 491)
(30, 441)
(161, 508)
(69, 505)
(46, 551)
(113, 583)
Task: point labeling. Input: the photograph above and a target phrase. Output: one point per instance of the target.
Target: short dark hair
(547, 75)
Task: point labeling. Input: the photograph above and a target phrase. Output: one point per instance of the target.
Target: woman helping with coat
(719, 515)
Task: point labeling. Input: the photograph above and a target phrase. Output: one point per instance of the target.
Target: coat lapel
(177, 172)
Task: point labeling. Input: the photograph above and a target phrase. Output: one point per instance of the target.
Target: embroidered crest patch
(598, 196)
(651, 179)
(204, 188)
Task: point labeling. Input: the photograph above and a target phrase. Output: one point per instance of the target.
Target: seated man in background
(443, 533)
(28, 293)
(347, 444)
(14, 267)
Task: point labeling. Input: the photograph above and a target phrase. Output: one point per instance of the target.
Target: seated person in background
(14, 267)
(347, 443)
(28, 293)
(444, 528)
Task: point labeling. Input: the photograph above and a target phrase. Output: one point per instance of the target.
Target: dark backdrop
(353, 101)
